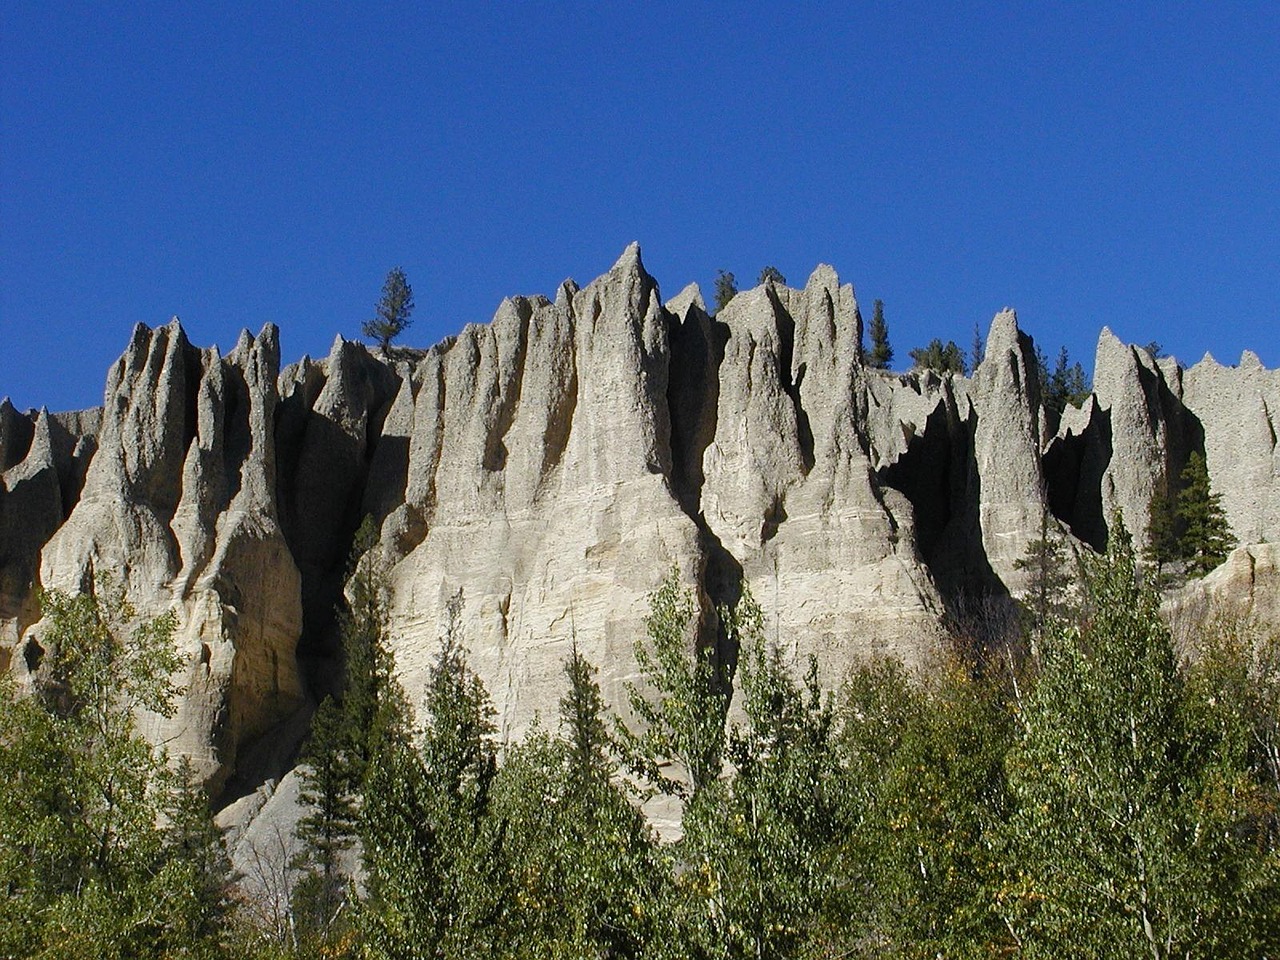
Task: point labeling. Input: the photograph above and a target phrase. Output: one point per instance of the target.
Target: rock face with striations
(179, 502)
(534, 478)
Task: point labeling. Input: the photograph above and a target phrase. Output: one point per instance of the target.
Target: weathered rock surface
(790, 490)
(534, 478)
(1236, 410)
(179, 504)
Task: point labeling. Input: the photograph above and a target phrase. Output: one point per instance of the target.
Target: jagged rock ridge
(550, 467)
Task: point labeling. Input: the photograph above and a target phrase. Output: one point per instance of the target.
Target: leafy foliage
(1123, 822)
(772, 275)
(682, 709)
(583, 868)
(393, 309)
(433, 863)
(758, 847)
(1107, 802)
(86, 866)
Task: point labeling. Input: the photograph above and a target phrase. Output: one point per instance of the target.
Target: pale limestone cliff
(541, 473)
(1236, 410)
(179, 504)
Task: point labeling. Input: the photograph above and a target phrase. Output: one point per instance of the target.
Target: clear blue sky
(1087, 164)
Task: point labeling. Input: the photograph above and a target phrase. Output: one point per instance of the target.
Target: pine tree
(1044, 597)
(726, 289)
(393, 310)
(582, 717)
(1162, 530)
(939, 357)
(1067, 384)
(1206, 539)
(772, 275)
(367, 661)
(881, 353)
(977, 350)
(584, 868)
(329, 827)
(436, 874)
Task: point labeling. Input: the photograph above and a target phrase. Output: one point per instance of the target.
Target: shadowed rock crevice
(16, 433)
(1069, 463)
(926, 475)
(697, 343)
(791, 383)
(238, 437)
(693, 397)
(328, 416)
(510, 375)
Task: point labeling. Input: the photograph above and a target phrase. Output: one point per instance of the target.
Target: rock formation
(535, 477)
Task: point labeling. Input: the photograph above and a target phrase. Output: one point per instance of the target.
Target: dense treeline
(1093, 796)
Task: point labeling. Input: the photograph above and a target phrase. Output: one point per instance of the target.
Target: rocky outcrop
(791, 492)
(534, 478)
(1245, 586)
(1140, 445)
(1235, 414)
(538, 491)
(1008, 436)
(179, 504)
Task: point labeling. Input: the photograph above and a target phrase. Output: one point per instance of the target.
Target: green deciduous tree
(681, 708)
(759, 848)
(924, 788)
(939, 357)
(1128, 837)
(393, 309)
(881, 354)
(87, 864)
(584, 871)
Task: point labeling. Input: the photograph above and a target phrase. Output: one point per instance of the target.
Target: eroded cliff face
(539, 475)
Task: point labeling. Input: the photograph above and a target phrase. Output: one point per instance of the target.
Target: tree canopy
(1190, 526)
(726, 289)
(939, 357)
(393, 309)
(1065, 384)
(1094, 795)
